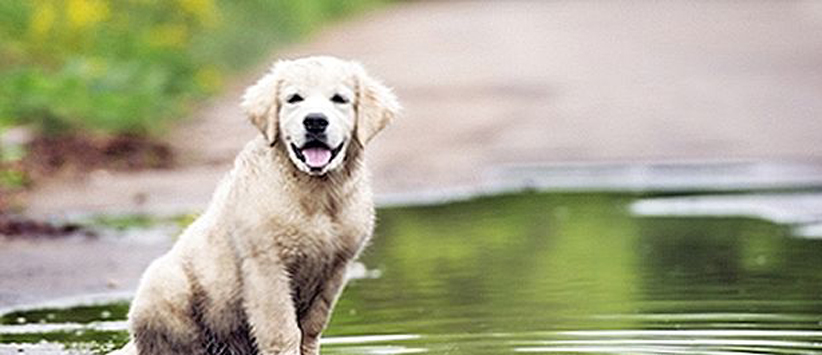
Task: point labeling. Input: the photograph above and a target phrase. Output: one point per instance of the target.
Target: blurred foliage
(185, 220)
(124, 222)
(12, 179)
(12, 175)
(128, 66)
(139, 221)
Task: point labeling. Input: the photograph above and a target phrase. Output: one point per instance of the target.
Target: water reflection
(570, 273)
(576, 273)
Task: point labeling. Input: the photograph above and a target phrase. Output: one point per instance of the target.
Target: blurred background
(517, 91)
(98, 84)
(636, 165)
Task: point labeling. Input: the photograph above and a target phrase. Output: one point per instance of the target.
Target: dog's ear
(261, 104)
(376, 106)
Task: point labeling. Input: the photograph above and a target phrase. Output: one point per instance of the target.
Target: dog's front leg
(269, 307)
(315, 320)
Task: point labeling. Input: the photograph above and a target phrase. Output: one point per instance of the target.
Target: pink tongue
(317, 157)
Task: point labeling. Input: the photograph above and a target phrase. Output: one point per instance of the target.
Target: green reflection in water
(502, 264)
(527, 272)
(79, 314)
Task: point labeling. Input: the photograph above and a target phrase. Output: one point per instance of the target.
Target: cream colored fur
(266, 261)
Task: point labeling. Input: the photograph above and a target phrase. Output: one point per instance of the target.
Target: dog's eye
(293, 99)
(339, 99)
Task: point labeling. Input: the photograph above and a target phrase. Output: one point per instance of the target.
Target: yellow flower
(85, 13)
(168, 35)
(209, 79)
(43, 19)
(203, 10)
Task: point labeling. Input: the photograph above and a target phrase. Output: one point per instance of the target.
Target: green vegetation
(130, 66)
(119, 223)
(12, 177)
(12, 180)
(124, 222)
(138, 221)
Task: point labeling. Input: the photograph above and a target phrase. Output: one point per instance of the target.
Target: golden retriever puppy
(259, 272)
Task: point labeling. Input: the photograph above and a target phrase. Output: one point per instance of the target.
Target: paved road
(505, 83)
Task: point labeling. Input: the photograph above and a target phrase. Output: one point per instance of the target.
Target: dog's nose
(315, 123)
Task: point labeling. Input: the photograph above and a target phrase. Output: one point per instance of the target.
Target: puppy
(259, 272)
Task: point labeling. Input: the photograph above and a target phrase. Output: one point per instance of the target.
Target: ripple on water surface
(554, 274)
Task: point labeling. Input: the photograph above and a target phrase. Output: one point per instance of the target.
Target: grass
(139, 221)
(133, 66)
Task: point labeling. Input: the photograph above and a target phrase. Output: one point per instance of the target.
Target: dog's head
(317, 108)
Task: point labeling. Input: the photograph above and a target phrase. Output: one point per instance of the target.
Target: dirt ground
(35, 271)
(508, 83)
(499, 85)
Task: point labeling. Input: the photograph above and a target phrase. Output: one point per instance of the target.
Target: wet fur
(259, 272)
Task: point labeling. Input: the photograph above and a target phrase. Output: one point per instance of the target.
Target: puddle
(801, 211)
(78, 314)
(545, 274)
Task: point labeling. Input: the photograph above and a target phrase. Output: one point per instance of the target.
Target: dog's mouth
(316, 154)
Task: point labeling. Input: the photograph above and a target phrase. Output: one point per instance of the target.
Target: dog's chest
(315, 247)
(318, 240)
